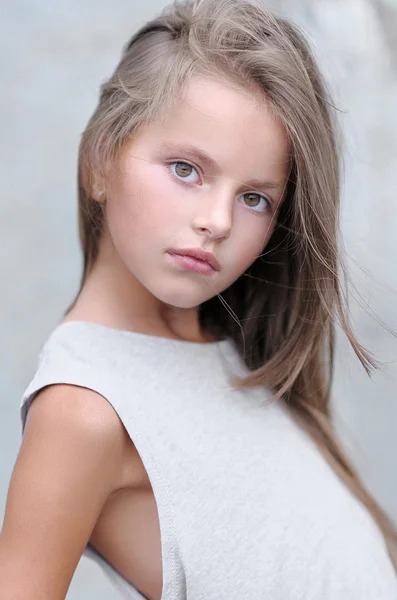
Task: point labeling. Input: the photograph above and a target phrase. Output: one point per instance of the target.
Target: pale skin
(78, 476)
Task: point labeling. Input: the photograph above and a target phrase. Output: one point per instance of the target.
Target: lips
(198, 254)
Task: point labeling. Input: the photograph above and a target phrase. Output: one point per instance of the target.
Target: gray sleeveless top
(248, 507)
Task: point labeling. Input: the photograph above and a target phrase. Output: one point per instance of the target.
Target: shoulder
(68, 465)
(81, 408)
(77, 421)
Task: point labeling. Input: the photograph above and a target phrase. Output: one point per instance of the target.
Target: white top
(248, 507)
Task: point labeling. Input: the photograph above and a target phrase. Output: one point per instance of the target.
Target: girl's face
(211, 175)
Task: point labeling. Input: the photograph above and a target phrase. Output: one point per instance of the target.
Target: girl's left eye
(183, 171)
(257, 202)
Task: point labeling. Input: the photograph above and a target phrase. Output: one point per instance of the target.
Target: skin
(78, 476)
(154, 202)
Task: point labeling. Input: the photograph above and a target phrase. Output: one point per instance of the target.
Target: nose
(214, 215)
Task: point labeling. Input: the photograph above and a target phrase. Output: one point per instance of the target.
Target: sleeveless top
(248, 507)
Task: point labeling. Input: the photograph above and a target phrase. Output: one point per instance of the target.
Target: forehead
(216, 105)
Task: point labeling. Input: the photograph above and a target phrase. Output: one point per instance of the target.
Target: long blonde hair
(284, 308)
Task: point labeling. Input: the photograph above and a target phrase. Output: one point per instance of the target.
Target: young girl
(178, 427)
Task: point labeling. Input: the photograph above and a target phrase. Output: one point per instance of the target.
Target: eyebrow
(194, 153)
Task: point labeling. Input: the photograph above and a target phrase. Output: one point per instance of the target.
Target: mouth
(195, 259)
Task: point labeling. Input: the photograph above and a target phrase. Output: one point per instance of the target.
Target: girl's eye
(183, 171)
(257, 202)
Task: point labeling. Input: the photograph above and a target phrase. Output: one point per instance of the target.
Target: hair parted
(282, 311)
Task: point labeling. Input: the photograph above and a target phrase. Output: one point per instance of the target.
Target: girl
(178, 426)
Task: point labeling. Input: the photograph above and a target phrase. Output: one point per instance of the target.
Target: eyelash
(181, 180)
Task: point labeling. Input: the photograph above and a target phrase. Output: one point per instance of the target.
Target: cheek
(136, 203)
(249, 247)
(142, 213)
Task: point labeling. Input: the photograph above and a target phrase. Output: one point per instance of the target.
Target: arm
(68, 464)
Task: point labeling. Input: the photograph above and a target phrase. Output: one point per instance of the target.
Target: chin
(181, 302)
(182, 298)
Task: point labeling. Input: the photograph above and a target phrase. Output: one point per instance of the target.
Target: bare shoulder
(84, 418)
(68, 465)
(84, 410)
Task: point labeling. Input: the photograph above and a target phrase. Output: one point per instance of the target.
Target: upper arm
(66, 468)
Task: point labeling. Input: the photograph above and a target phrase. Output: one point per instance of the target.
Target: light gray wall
(53, 56)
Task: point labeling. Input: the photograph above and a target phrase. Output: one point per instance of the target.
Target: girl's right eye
(182, 171)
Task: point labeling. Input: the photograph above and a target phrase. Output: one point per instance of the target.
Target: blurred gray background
(53, 56)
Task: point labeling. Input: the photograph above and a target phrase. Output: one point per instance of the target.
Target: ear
(98, 195)
(98, 192)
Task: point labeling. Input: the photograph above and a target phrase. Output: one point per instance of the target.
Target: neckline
(143, 337)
